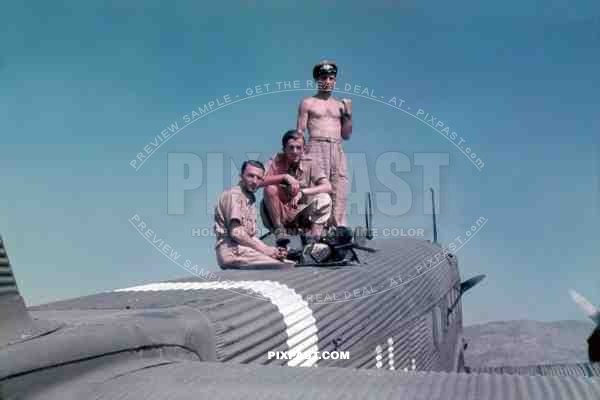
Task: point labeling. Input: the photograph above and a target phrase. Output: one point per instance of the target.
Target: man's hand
(278, 253)
(296, 199)
(282, 253)
(294, 184)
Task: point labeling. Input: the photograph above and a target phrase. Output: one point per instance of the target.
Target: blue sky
(84, 88)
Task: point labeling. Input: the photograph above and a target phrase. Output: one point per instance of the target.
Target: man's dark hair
(254, 163)
(289, 135)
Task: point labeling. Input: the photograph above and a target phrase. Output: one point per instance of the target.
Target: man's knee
(271, 191)
(271, 201)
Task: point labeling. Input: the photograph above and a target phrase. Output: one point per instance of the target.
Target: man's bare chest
(329, 110)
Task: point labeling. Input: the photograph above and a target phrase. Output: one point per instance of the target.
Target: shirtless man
(237, 245)
(305, 203)
(329, 122)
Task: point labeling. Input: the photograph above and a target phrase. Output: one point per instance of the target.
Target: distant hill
(521, 343)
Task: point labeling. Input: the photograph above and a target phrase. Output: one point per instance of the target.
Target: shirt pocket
(249, 221)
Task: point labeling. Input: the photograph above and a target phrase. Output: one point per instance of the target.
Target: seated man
(296, 191)
(235, 226)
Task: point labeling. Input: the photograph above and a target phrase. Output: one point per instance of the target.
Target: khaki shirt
(308, 172)
(234, 204)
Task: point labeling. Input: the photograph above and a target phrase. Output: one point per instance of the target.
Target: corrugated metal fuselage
(392, 312)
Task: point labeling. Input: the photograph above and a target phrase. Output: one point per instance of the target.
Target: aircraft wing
(161, 378)
(575, 369)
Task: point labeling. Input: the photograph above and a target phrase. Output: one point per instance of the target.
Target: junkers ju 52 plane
(395, 310)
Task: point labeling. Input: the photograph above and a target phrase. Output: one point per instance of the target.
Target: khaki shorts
(331, 159)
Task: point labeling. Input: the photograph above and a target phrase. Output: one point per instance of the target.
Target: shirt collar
(301, 164)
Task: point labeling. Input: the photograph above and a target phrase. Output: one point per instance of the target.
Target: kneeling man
(296, 191)
(237, 246)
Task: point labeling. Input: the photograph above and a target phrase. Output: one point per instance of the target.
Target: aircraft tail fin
(8, 284)
(16, 324)
(13, 313)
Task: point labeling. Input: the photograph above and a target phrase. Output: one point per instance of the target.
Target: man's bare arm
(346, 128)
(346, 119)
(274, 180)
(239, 234)
(271, 178)
(323, 187)
(302, 120)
